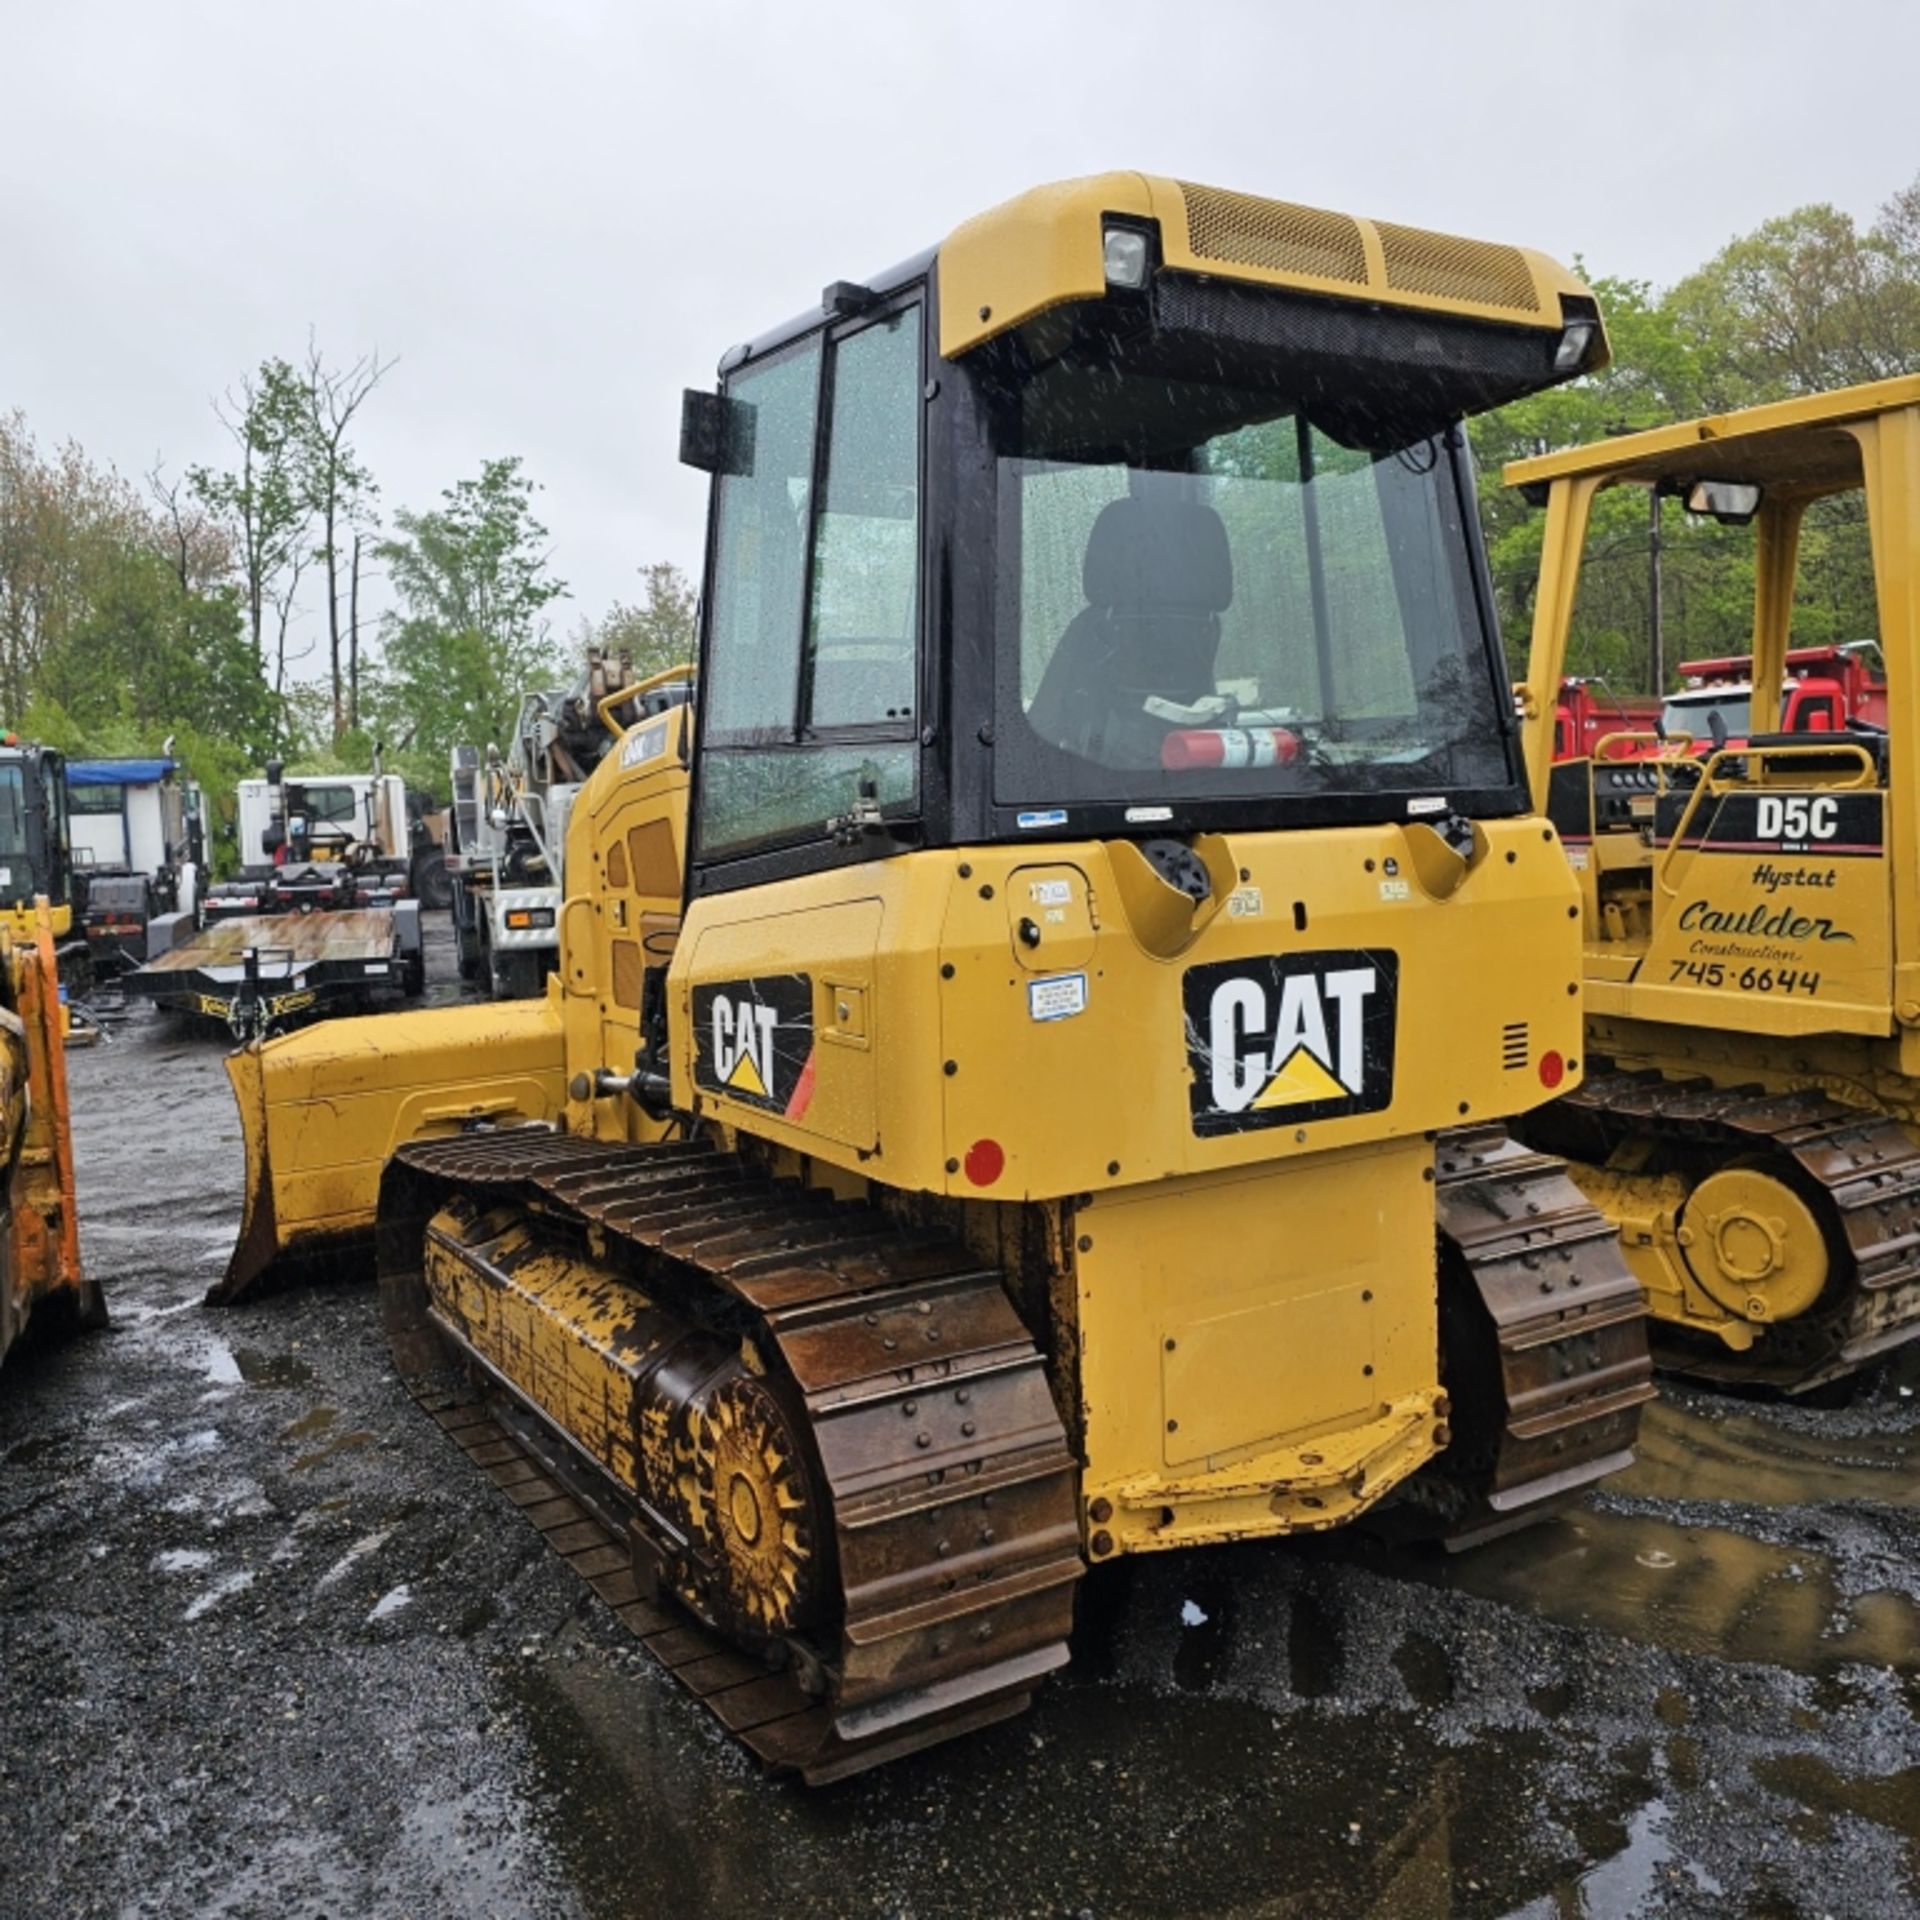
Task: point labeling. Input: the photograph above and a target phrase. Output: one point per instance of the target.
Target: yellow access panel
(1257, 1347)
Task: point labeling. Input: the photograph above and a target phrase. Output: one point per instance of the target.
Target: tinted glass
(759, 794)
(759, 562)
(1201, 594)
(13, 814)
(867, 541)
(1696, 716)
(765, 775)
(334, 805)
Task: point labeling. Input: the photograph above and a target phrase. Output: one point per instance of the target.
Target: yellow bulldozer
(1024, 1079)
(43, 1291)
(1751, 1111)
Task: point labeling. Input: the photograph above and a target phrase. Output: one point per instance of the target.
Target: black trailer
(255, 972)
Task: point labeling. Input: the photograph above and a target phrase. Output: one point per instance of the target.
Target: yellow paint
(1241, 1325)
(323, 1110)
(638, 810)
(1755, 1244)
(1733, 446)
(1302, 1078)
(1109, 1086)
(39, 1226)
(1749, 964)
(1257, 1347)
(699, 1439)
(745, 1078)
(21, 924)
(1043, 249)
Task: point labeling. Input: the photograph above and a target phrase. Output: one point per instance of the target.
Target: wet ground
(268, 1646)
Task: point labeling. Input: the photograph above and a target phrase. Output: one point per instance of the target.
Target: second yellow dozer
(1024, 1078)
(43, 1290)
(1751, 1113)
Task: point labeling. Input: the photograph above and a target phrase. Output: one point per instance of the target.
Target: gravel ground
(270, 1647)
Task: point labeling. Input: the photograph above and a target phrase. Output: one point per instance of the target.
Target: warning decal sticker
(1284, 1038)
(753, 1041)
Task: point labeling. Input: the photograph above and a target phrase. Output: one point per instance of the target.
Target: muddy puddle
(1123, 1801)
(250, 1366)
(1888, 1800)
(352, 1442)
(1688, 1590)
(1744, 1458)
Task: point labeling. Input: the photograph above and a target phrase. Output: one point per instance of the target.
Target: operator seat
(1157, 576)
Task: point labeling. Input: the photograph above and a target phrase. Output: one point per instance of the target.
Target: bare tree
(341, 492)
(353, 626)
(282, 598)
(198, 547)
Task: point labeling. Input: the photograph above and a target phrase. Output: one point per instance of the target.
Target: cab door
(808, 768)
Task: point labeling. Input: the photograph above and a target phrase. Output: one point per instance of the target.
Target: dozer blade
(258, 1246)
(323, 1111)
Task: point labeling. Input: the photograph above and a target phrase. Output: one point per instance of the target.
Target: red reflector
(986, 1162)
(1553, 1070)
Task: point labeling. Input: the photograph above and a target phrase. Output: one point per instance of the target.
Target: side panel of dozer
(40, 1275)
(323, 1110)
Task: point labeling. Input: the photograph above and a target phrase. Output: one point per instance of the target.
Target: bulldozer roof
(1045, 247)
(1798, 446)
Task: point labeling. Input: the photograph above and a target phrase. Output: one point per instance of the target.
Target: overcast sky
(559, 214)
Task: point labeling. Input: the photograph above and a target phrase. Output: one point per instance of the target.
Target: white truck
(137, 829)
(324, 916)
(507, 826)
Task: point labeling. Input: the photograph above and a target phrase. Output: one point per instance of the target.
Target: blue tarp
(117, 773)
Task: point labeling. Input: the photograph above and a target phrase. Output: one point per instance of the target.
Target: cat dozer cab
(1751, 1112)
(36, 856)
(1023, 1081)
(42, 1289)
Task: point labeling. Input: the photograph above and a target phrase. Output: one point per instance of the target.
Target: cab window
(812, 663)
(334, 805)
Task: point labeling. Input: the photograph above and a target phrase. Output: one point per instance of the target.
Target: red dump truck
(1588, 710)
(1826, 687)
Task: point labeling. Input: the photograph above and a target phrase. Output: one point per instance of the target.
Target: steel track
(1544, 1336)
(1861, 1166)
(943, 1463)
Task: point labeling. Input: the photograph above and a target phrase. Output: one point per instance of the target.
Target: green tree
(1655, 376)
(470, 633)
(265, 500)
(150, 660)
(62, 519)
(660, 630)
(1807, 301)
